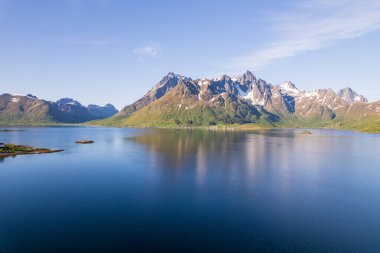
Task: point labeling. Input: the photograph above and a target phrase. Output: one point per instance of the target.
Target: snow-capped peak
(28, 96)
(203, 82)
(289, 88)
(222, 78)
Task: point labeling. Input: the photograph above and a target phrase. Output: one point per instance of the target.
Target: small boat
(84, 142)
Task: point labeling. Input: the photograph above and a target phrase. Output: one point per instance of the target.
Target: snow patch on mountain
(15, 99)
(242, 93)
(289, 88)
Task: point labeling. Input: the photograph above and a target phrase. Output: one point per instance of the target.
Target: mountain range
(182, 101)
(20, 109)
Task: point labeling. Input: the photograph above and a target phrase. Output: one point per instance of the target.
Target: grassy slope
(36, 115)
(26, 111)
(11, 148)
(370, 125)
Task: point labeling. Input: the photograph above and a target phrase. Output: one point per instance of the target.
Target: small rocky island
(306, 132)
(7, 150)
(84, 142)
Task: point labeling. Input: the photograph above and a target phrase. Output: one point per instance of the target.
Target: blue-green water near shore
(150, 190)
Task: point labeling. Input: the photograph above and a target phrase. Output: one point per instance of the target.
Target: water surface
(137, 190)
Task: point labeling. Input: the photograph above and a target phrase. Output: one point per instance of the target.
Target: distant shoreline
(235, 127)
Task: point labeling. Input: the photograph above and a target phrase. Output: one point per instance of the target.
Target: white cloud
(152, 50)
(313, 24)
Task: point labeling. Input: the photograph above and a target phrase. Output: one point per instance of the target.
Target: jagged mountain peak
(172, 75)
(288, 84)
(222, 78)
(249, 74)
(350, 96)
(102, 111)
(290, 88)
(171, 79)
(168, 77)
(247, 78)
(68, 101)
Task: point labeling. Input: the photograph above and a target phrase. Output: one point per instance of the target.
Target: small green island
(7, 150)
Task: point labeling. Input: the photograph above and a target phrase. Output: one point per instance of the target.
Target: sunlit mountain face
(182, 101)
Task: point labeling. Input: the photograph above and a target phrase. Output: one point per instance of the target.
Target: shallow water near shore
(149, 190)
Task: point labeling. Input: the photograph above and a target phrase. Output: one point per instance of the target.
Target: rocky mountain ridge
(247, 96)
(285, 99)
(20, 109)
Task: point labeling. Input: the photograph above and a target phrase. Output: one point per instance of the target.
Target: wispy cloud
(311, 25)
(151, 50)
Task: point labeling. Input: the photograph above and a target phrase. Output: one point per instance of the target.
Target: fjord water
(151, 190)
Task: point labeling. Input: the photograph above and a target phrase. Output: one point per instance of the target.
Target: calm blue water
(191, 191)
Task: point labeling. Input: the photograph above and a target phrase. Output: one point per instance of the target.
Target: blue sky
(99, 51)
